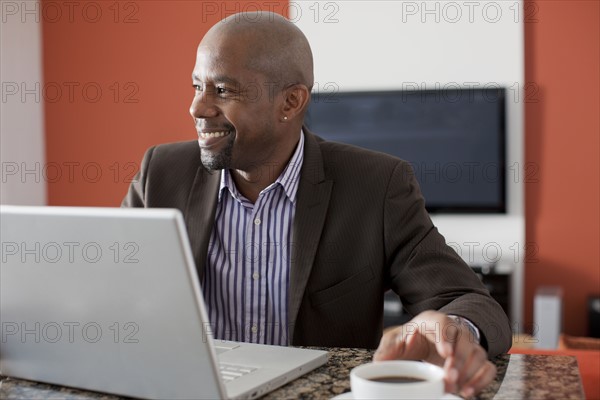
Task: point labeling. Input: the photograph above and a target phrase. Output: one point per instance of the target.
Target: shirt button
(255, 275)
(257, 221)
(254, 329)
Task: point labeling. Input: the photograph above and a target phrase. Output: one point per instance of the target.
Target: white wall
(22, 145)
(370, 45)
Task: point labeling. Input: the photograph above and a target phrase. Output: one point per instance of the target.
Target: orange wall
(562, 51)
(141, 55)
(149, 53)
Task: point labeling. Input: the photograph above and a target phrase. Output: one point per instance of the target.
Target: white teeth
(206, 135)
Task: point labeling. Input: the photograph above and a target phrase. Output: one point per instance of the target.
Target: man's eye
(221, 90)
(197, 88)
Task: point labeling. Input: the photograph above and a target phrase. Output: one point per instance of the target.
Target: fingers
(483, 377)
(452, 375)
(468, 369)
(468, 360)
(449, 337)
(403, 343)
(433, 337)
(388, 349)
(472, 365)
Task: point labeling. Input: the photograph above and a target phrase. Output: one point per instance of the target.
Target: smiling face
(236, 109)
(252, 82)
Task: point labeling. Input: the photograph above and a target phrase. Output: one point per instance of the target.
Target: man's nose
(202, 107)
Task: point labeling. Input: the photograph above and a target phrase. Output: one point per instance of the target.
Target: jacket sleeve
(429, 275)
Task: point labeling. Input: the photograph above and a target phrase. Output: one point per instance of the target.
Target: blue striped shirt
(246, 279)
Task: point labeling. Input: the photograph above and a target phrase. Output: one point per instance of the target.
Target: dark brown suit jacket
(360, 228)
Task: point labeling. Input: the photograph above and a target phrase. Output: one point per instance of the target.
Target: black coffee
(396, 379)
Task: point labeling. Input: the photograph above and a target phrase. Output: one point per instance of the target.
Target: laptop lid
(104, 299)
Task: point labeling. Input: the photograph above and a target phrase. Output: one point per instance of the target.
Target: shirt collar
(288, 180)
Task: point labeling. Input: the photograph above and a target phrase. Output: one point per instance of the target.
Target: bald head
(267, 43)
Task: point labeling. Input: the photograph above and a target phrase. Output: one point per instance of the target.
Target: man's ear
(295, 101)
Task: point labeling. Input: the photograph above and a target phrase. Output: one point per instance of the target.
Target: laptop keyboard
(230, 372)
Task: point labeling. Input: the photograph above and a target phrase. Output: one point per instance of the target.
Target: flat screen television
(454, 139)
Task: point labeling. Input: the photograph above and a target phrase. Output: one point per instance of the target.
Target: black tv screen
(454, 139)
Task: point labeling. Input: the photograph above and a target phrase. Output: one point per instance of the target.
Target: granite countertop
(519, 377)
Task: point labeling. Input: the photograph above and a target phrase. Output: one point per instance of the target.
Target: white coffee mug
(372, 380)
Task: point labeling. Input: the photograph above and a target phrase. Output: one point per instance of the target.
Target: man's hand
(433, 337)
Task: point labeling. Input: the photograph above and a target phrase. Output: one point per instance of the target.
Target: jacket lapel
(200, 214)
(311, 209)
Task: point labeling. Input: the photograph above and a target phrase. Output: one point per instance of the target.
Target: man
(295, 238)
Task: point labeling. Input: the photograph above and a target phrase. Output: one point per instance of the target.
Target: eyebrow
(220, 78)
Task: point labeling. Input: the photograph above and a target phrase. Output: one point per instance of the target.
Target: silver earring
(285, 117)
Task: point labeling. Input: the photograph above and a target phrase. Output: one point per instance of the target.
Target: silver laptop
(108, 299)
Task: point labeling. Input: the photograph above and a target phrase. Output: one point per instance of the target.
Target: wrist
(474, 334)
